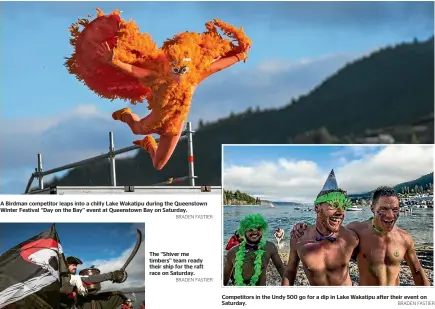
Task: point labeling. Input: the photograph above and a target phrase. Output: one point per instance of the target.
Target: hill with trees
(387, 93)
(419, 185)
(239, 198)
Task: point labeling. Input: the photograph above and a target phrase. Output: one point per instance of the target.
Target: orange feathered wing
(130, 46)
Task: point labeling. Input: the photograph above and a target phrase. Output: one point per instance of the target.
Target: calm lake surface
(419, 223)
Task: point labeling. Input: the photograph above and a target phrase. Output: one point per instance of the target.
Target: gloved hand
(119, 276)
(77, 282)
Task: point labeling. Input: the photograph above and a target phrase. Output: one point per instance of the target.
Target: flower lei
(240, 260)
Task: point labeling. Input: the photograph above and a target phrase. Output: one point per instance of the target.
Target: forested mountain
(239, 198)
(425, 182)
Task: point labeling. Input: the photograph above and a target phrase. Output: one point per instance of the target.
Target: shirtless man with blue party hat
(325, 249)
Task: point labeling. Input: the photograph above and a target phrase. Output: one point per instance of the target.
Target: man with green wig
(247, 262)
(326, 248)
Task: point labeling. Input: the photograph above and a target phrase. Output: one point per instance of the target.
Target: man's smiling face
(253, 236)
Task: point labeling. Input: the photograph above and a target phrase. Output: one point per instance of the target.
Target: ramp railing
(185, 135)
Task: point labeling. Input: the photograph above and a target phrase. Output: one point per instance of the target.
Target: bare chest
(377, 251)
(320, 256)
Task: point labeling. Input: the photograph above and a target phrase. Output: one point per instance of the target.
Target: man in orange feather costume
(113, 59)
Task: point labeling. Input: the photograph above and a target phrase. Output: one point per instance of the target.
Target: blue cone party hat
(332, 194)
(330, 183)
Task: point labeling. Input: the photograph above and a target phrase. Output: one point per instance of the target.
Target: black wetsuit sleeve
(97, 278)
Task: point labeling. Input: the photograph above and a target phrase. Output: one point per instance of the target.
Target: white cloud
(135, 270)
(301, 181)
(42, 124)
(280, 65)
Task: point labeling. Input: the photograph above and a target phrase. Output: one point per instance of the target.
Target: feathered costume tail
(130, 46)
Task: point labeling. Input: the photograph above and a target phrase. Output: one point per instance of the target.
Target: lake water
(419, 224)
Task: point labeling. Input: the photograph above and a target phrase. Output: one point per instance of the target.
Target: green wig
(252, 222)
(335, 198)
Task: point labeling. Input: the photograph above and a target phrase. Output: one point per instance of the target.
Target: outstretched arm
(417, 270)
(71, 281)
(97, 278)
(236, 34)
(106, 54)
(115, 276)
(276, 259)
(132, 70)
(224, 63)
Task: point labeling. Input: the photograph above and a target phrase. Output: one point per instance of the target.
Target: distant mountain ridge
(421, 181)
(372, 93)
(286, 203)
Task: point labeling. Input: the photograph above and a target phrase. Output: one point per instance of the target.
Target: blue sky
(297, 173)
(325, 157)
(296, 45)
(105, 245)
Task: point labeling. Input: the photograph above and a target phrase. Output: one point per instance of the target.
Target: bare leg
(161, 153)
(138, 126)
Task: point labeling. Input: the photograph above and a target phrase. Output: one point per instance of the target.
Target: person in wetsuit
(234, 241)
(279, 235)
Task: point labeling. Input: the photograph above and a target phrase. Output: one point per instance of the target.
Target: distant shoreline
(242, 205)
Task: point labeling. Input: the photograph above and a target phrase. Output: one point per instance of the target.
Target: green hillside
(239, 198)
(388, 91)
(424, 182)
